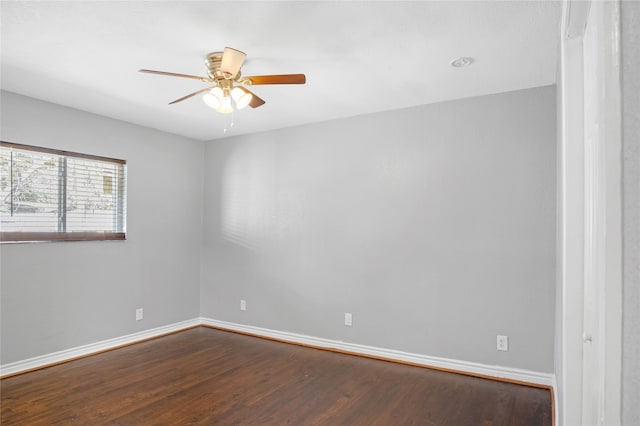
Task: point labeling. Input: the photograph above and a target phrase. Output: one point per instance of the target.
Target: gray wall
(60, 295)
(631, 211)
(434, 226)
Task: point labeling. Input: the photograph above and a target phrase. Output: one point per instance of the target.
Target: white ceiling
(359, 57)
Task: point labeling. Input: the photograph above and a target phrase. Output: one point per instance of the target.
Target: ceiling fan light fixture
(223, 69)
(240, 97)
(213, 98)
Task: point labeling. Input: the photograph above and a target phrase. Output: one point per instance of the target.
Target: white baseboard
(525, 376)
(495, 371)
(92, 348)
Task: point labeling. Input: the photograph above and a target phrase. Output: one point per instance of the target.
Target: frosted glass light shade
(225, 107)
(213, 98)
(241, 97)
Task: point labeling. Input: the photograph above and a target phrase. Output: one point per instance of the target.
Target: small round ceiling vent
(462, 62)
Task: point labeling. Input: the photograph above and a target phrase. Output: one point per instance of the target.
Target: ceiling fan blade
(256, 101)
(275, 79)
(191, 94)
(232, 60)
(173, 74)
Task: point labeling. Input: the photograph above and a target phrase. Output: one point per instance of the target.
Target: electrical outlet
(243, 305)
(139, 314)
(348, 319)
(503, 343)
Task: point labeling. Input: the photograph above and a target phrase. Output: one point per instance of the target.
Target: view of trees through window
(48, 192)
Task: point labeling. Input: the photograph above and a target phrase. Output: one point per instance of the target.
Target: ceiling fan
(223, 69)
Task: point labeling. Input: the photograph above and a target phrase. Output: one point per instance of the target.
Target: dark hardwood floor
(204, 376)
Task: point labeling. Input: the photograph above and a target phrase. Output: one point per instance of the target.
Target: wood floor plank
(204, 376)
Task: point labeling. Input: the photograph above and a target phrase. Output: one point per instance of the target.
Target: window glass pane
(92, 195)
(30, 191)
(5, 181)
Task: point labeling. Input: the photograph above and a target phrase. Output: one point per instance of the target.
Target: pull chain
(228, 122)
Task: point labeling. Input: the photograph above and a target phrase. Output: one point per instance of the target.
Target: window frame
(30, 236)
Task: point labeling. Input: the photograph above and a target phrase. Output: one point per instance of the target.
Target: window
(51, 195)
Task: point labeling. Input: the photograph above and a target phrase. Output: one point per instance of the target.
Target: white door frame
(571, 216)
(590, 212)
